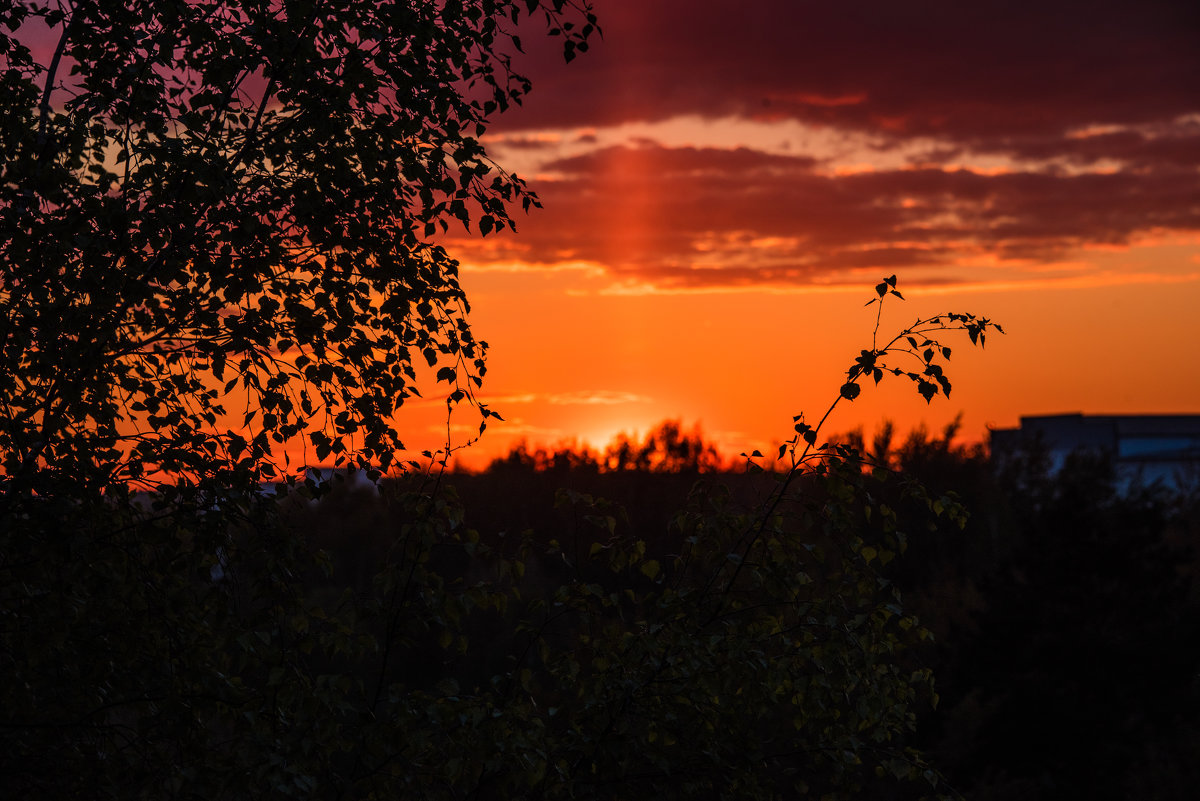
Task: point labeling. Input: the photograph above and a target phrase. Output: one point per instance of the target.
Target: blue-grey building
(1145, 448)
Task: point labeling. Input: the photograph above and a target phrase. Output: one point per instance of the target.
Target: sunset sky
(724, 182)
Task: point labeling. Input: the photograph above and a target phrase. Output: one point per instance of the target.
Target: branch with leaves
(233, 187)
(920, 342)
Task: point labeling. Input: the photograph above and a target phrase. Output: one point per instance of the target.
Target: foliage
(1083, 624)
(747, 652)
(1061, 615)
(216, 228)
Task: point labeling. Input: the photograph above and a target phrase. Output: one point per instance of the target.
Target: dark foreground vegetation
(590, 633)
(740, 638)
(218, 228)
(1065, 615)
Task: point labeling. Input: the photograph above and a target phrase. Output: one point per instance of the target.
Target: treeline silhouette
(667, 448)
(1065, 614)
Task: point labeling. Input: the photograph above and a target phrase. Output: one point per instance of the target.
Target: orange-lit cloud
(601, 397)
(703, 216)
(857, 138)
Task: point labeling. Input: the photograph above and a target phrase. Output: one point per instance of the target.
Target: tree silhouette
(216, 228)
(665, 449)
(216, 241)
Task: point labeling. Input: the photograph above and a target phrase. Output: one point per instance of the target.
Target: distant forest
(1065, 615)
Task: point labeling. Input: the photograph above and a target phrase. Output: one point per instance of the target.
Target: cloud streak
(694, 217)
(600, 397)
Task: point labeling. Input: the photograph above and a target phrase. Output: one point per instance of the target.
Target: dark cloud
(662, 161)
(990, 74)
(528, 142)
(711, 217)
(1177, 146)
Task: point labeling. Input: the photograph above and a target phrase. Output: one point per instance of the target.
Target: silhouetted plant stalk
(920, 346)
(771, 643)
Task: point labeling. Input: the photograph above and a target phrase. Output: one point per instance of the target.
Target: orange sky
(572, 362)
(723, 186)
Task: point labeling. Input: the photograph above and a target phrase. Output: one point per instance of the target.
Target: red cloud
(712, 217)
(991, 74)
